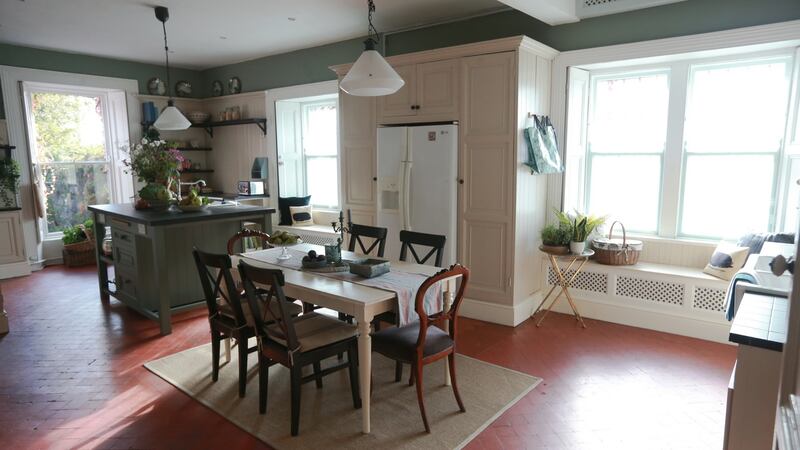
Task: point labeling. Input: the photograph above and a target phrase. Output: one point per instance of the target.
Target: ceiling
(211, 33)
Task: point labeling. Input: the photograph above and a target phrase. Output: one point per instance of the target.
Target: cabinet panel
(485, 253)
(487, 178)
(437, 88)
(357, 117)
(359, 170)
(11, 242)
(488, 95)
(400, 103)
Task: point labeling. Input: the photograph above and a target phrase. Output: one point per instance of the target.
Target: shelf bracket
(210, 131)
(263, 126)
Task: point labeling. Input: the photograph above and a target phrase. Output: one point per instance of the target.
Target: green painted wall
(287, 69)
(677, 19)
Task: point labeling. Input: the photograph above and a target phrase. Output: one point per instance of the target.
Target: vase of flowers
(156, 165)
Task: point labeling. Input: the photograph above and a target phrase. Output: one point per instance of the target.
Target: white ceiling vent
(592, 8)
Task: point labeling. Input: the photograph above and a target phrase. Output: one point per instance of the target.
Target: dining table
(347, 296)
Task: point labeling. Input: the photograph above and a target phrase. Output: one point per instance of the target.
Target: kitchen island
(154, 271)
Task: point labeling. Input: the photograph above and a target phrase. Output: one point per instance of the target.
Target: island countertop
(175, 216)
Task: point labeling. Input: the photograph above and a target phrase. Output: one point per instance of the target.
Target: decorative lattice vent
(709, 299)
(654, 291)
(590, 3)
(586, 281)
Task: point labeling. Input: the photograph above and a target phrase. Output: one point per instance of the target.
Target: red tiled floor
(71, 376)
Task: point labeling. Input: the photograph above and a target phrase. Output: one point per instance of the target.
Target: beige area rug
(327, 416)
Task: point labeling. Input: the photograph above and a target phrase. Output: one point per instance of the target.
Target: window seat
(674, 299)
(313, 234)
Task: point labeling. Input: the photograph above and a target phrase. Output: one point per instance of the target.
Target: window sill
(673, 241)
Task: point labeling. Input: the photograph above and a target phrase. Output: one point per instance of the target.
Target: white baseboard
(509, 315)
(17, 269)
(651, 320)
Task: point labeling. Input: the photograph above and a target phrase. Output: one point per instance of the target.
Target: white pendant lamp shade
(171, 119)
(371, 76)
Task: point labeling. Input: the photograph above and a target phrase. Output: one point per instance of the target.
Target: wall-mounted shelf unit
(209, 126)
(7, 147)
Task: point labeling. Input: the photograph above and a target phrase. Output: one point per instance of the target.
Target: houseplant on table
(581, 227)
(155, 164)
(556, 238)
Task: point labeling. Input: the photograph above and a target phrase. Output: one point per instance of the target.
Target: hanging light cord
(371, 30)
(166, 52)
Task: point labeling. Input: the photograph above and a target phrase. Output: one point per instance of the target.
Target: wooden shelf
(7, 147)
(196, 171)
(209, 126)
(195, 149)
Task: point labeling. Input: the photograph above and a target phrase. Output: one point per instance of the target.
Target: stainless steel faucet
(198, 183)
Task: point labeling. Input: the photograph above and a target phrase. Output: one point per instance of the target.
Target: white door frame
(10, 82)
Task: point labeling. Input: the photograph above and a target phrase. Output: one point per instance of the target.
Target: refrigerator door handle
(407, 195)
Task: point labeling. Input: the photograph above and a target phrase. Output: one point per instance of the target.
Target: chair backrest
(248, 233)
(411, 238)
(217, 281)
(357, 232)
(256, 298)
(438, 318)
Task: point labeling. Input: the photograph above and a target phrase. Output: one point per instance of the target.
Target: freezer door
(392, 152)
(433, 183)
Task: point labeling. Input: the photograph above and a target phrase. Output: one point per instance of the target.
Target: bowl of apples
(193, 202)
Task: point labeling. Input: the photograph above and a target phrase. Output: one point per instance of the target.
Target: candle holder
(333, 252)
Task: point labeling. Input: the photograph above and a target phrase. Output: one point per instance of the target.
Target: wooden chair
(295, 342)
(424, 342)
(357, 233)
(225, 315)
(248, 233)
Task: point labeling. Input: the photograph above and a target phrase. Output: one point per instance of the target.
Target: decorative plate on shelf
(183, 88)
(156, 87)
(235, 85)
(216, 88)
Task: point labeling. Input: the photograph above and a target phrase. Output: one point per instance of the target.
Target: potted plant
(156, 165)
(9, 182)
(556, 238)
(79, 244)
(581, 227)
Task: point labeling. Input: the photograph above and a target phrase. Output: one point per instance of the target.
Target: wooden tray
(343, 267)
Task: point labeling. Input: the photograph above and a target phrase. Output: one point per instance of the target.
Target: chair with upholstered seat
(295, 342)
(424, 342)
(248, 234)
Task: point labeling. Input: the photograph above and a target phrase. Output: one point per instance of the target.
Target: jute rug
(327, 417)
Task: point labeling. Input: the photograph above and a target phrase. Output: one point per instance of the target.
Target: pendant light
(170, 118)
(371, 75)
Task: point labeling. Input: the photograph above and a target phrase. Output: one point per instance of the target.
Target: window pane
(626, 188)
(727, 195)
(69, 189)
(320, 135)
(737, 108)
(630, 114)
(322, 177)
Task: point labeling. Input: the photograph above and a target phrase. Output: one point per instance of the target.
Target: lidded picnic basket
(617, 252)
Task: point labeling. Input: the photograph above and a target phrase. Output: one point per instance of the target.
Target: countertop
(761, 321)
(175, 216)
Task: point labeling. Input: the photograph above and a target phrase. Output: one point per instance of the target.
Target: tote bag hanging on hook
(543, 156)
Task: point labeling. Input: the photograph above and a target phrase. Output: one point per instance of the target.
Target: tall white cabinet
(490, 88)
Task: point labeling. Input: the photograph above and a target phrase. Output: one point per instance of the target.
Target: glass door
(68, 132)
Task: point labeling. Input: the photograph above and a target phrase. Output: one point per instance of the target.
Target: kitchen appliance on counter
(418, 184)
(257, 185)
(253, 187)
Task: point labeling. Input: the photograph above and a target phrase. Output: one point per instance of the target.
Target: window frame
(674, 158)
(304, 106)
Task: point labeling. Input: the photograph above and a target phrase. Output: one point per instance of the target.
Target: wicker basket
(617, 252)
(80, 253)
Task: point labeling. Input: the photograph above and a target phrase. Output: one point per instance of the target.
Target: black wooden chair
(358, 233)
(295, 342)
(424, 342)
(226, 317)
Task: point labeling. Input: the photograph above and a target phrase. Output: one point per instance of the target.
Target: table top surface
(761, 321)
(330, 286)
(175, 216)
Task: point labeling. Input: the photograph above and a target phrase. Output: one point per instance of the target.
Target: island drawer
(124, 257)
(121, 238)
(125, 284)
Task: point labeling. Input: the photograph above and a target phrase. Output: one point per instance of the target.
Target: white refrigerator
(418, 184)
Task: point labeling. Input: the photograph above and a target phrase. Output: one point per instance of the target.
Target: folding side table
(563, 282)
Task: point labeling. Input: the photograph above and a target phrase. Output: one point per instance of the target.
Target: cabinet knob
(460, 181)
(374, 178)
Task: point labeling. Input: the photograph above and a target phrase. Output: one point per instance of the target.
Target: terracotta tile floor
(71, 376)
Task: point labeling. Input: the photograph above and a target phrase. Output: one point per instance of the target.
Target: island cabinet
(491, 89)
(154, 270)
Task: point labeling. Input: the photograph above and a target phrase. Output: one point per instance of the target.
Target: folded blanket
(730, 299)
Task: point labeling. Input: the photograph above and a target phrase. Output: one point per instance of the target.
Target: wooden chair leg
(296, 375)
(227, 350)
(411, 377)
(317, 376)
(263, 383)
(451, 360)
(352, 366)
(307, 307)
(215, 339)
(418, 369)
(398, 371)
(242, 366)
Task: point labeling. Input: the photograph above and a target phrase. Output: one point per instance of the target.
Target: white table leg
(365, 371)
(448, 301)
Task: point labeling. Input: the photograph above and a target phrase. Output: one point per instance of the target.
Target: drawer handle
(122, 237)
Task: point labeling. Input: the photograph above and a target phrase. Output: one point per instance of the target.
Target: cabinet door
(359, 174)
(437, 89)
(401, 102)
(357, 147)
(11, 241)
(487, 167)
